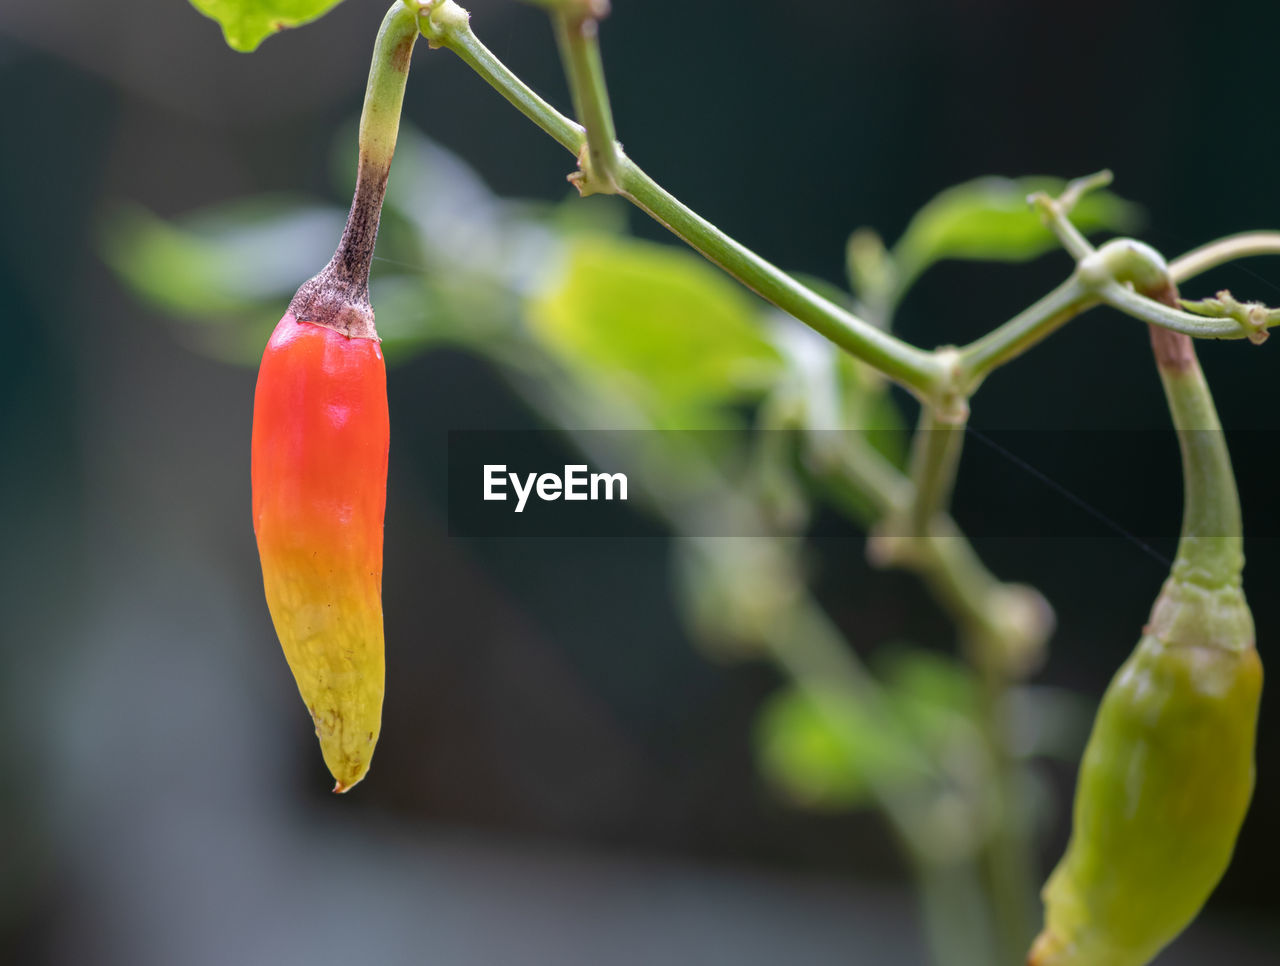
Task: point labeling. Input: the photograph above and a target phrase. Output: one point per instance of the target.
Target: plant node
(1055, 212)
(1127, 261)
(438, 18)
(950, 398)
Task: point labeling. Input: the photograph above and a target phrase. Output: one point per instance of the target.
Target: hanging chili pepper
(320, 443)
(1169, 768)
(320, 439)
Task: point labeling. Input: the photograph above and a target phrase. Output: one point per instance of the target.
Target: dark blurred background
(562, 777)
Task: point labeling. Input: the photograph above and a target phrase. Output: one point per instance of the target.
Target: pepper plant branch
(813, 658)
(913, 368)
(1056, 211)
(446, 24)
(1004, 627)
(1223, 250)
(1024, 330)
(793, 630)
(1004, 624)
(1122, 270)
(935, 457)
(1126, 300)
(577, 34)
(797, 636)
(1074, 297)
(813, 654)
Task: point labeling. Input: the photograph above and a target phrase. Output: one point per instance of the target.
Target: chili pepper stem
(1211, 541)
(338, 297)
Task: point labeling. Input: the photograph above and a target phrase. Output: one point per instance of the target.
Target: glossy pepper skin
(1164, 785)
(1168, 771)
(320, 444)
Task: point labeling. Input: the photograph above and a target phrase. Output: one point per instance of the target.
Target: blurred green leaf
(930, 689)
(246, 23)
(835, 397)
(655, 323)
(827, 759)
(989, 219)
(870, 269)
(867, 406)
(593, 215)
(220, 263)
(734, 591)
(411, 315)
(240, 344)
(465, 231)
(773, 473)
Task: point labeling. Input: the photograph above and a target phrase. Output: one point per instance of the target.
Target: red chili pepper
(320, 440)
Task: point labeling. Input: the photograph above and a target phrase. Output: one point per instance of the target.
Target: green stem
(379, 127)
(1224, 250)
(935, 458)
(912, 368)
(388, 74)
(1008, 853)
(578, 38)
(813, 654)
(339, 296)
(1211, 548)
(803, 643)
(957, 921)
(1054, 214)
(447, 25)
(957, 578)
(847, 459)
(801, 640)
(1011, 621)
(1121, 297)
(1024, 330)
(1056, 211)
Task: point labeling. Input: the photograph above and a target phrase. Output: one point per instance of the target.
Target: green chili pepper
(1168, 771)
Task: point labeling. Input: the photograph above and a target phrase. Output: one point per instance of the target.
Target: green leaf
(223, 261)
(989, 219)
(654, 323)
(931, 690)
(869, 267)
(773, 471)
(838, 402)
(825, 756)
(733, 591)
(246, 23)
